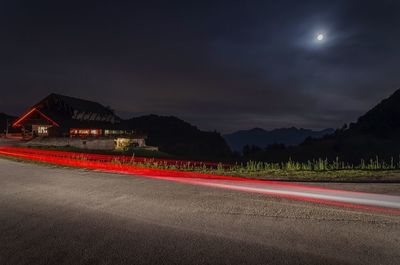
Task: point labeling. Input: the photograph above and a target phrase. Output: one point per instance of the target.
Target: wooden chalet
(59, 115)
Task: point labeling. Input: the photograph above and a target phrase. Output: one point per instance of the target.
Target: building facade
(62, 116)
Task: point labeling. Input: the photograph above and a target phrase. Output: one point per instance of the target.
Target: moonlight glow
(320, 37)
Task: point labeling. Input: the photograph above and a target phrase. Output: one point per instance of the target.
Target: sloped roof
(75, 112)
(82, 105)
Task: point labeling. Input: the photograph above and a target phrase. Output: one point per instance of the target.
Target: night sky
(221, 65)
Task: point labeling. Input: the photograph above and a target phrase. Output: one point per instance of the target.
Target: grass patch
(318, 170)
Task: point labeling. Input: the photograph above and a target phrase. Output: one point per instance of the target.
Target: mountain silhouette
(381, 121)
(263, 138)
(4, 118)
(374, 134)
(175, 136)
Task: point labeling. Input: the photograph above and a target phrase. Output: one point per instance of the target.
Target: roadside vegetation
(373, 170)
(316, 170)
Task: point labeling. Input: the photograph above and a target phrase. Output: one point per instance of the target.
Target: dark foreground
(66, 216)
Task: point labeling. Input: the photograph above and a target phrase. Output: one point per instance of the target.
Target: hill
(381, 121)
(263, 138)
(175, 136)
(4, 118)
(374, 134)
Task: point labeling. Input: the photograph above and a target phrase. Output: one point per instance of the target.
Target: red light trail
(358, 200)
(109, 158)
(17, 123)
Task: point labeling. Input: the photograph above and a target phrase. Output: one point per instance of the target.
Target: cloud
(219, 64)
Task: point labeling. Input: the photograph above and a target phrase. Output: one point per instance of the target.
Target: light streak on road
(361, 200)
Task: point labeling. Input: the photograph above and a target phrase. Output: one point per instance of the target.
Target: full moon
(320, 37)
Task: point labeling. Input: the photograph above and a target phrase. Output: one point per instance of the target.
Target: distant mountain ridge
(376, 134)
(262, 138)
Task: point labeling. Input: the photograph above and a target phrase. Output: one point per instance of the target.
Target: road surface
(51, 215)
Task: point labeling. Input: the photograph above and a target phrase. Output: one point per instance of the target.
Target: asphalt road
(69, 216)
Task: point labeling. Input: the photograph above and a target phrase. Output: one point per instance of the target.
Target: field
(373, 170)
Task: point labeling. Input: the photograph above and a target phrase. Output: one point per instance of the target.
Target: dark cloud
(222, 65)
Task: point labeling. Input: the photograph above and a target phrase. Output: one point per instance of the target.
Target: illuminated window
(122, 143)
(42, 130)
(114, 132)
(85, 132)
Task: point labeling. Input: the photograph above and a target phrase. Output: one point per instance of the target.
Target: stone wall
(89, 143)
